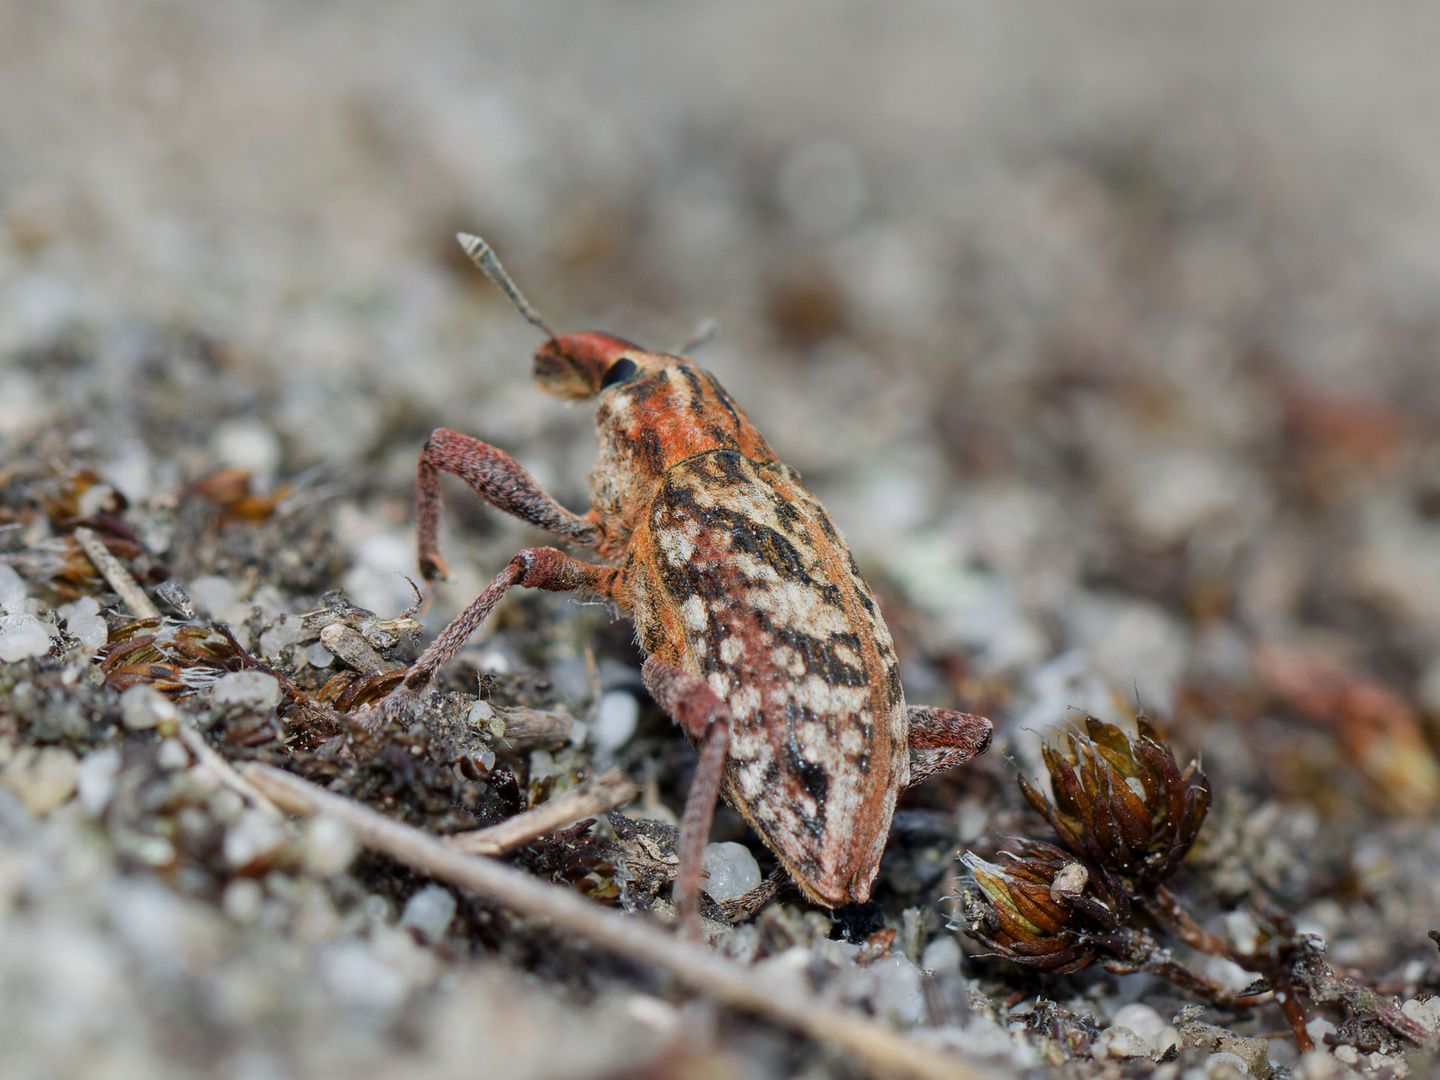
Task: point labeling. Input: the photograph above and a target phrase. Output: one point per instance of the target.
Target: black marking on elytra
(894, 692)
(815, 783)
(723, 397)
(697, 392)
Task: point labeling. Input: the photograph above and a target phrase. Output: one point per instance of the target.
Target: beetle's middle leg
(499, 480)
(688, 700)
(940, 739)
(535, 568)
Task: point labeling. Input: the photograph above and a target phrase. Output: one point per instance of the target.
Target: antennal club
(483, 257)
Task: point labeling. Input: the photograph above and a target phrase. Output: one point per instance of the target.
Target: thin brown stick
(595, 796)
(1165, 906)
(114, 572)
(883, 1051)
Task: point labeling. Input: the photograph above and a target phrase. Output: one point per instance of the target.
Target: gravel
(1106, 335)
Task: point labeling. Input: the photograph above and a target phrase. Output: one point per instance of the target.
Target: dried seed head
(1040, 908)
(1122, 803)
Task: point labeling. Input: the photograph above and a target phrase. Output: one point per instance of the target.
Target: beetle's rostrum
(763, 641)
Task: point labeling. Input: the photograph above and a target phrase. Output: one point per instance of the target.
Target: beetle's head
(579, 366)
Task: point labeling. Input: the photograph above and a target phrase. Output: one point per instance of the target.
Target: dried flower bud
(1042, 909)
(1122, 803)
(174, 659)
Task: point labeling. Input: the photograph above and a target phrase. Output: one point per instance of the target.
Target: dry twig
(116, 575)
(208, 756)
(595, 796)
(883, 1051)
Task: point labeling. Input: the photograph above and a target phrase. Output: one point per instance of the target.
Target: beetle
(762, 640)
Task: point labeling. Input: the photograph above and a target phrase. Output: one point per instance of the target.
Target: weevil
(762, 640)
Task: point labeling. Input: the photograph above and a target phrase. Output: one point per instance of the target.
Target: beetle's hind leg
(534, 568)
(688, 700)
(940, 739)
(499, 480)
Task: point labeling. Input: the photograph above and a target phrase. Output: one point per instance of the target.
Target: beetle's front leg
(534, 568)
(688, 700)
(940, 739)
(499, 480)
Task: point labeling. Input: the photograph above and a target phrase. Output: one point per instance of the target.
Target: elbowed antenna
(481, 255)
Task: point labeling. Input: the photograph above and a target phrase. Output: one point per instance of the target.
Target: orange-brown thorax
(654, 410)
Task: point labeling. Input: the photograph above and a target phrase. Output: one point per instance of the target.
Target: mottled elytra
(763, 642)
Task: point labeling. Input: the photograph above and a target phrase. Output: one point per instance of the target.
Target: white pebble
(13, 590)
(359, 978)
(1320, 1027)
(96, 780)
(21, 637)
(83, 621)
(172, 755)
(242, 900)
(42, 779)
(255, 835)
(733, 870)
(213, 594)
(1148, 1024)
(143, 707)
(942, 956)
(1221, 1066)
(899, 995)
(615, 720)
(1119, 1042)
(251, 688)
(429, 912)
(1425, 1013)
(318, 656)
(247, 444)
(287, 631)
(328, 846)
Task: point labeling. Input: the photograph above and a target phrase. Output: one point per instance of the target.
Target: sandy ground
(1105, 331)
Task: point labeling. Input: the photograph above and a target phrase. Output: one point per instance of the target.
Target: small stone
(733, 870)
(42, 779)
(328, 847)
(96, 779)
(172, 755)
(242, 900)
(1224, 1066)
(615, 720)
(317, 656)
(143, 707)
(359, 978)
(247, 444)
(21, 637)
(898, 995)
(1148, 1024)
(1119, 1042)
(429, 912)
(13, 589)
(1348, 1054)
(253, 689)
(84, 623)
(942, 956)
(1426, 1013)
(1320, 1027)
(252, 837)
(286, 632)
(213, 595)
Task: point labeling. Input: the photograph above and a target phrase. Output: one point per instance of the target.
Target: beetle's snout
(573, 366)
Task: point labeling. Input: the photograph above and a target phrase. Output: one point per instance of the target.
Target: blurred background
(1107, 332)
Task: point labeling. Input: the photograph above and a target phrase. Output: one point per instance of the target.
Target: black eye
(619, 371)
